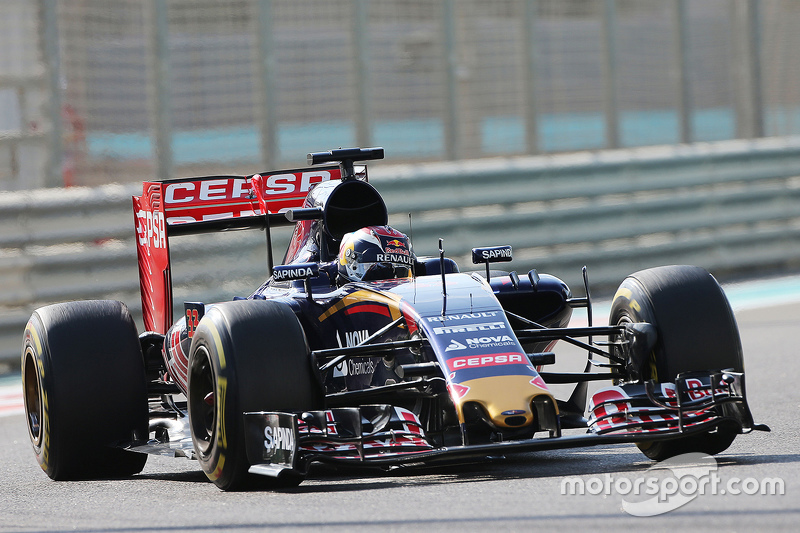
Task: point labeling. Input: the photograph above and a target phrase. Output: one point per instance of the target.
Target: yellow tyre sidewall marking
(44, 456)
(220, 397)
(624, 292)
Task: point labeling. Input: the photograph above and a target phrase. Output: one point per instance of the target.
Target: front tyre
(696, 331)
(84, 390)
(245, 356)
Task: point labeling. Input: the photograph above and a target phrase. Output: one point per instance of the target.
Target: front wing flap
(695, 399)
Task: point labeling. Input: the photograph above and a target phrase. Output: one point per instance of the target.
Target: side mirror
(492, 254)
(304, 271)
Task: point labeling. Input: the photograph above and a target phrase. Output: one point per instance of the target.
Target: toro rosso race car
(357, 352)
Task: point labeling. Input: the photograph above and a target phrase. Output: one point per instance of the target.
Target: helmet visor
(380, 271)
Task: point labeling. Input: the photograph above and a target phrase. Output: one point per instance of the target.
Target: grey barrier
(731, 207)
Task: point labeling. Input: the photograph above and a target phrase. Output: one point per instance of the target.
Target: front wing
(385, 436)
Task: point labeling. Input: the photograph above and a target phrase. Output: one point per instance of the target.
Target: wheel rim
(622, 320)
(202, 412)
(33, 398)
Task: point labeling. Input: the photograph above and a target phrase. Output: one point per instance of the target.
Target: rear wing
(190, 206)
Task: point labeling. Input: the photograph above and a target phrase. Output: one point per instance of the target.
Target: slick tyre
(696, 330)
(245, 356)
(84, 390)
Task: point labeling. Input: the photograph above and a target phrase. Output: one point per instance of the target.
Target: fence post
(747, 66)
(610, 74)
(684, 82)
(452, 126)
(52, 60)
(531, 118)
(364, 112)
(267, 97)
(161, 106)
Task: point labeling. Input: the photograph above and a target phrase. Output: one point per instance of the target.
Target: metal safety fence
(107, 91)
(732, 207)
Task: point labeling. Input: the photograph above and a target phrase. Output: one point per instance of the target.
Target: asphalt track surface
(519, 493)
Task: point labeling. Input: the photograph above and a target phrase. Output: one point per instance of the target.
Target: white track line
(11, 399)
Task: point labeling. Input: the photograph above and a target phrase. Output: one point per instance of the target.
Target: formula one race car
(357, 352)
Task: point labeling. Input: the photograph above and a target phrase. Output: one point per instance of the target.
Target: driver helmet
(375, 253)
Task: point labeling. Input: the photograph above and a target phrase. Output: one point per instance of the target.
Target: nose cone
(506, 400)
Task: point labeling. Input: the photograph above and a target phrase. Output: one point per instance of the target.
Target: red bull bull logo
(396, 246)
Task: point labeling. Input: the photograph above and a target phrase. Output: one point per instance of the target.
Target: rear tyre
(696, 331)
(245, 356)
(84, 390)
